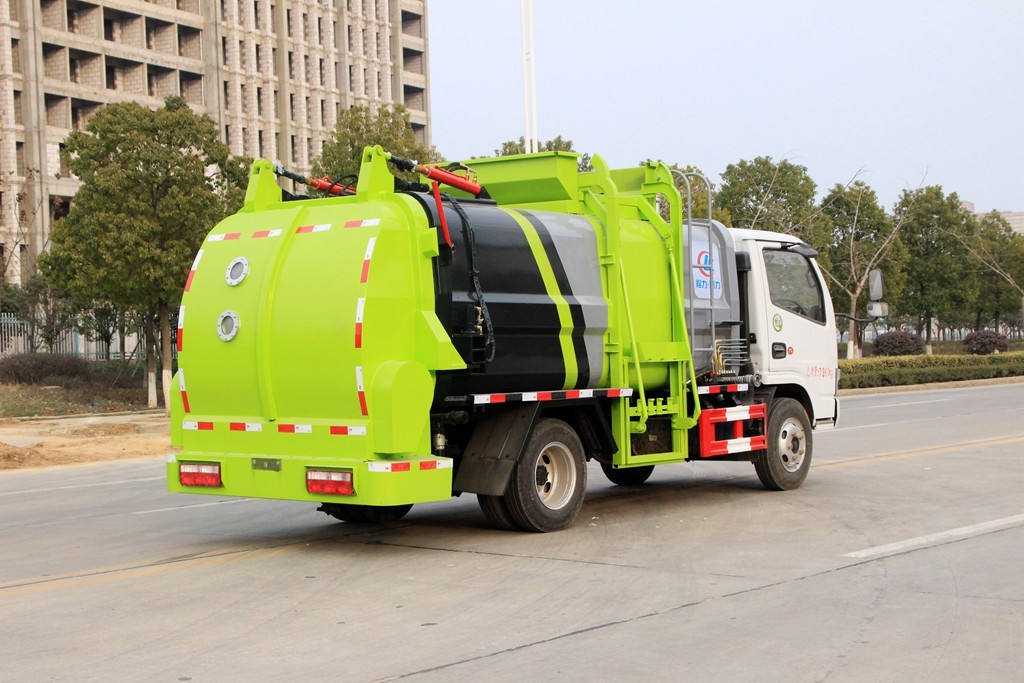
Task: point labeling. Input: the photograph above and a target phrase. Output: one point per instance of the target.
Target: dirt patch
(41, 444)
(95, 430)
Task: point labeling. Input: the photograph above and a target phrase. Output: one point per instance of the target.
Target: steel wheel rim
(556, 475)
(792, 444)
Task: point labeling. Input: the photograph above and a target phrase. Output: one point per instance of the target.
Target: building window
(259, 101)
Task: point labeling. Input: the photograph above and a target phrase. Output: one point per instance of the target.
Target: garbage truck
(488, 328)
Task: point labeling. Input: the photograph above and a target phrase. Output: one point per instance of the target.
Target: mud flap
(495, 447)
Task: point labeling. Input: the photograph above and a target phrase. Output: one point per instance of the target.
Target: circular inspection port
(237, 271)
(227, 325)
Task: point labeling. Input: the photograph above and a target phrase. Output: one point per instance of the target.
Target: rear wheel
(784, 465)
(548, 482)
(365, 514)
(497, 513)
(627, 476)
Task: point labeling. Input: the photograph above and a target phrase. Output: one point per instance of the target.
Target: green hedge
(885, 371)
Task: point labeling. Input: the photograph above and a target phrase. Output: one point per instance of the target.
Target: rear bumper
(376, 482)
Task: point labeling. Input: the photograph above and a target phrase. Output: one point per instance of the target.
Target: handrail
(642, 403)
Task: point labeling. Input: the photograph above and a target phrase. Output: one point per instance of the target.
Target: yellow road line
(101, 575)
(927, 450)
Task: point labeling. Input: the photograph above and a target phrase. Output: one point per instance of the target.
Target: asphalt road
(899, 559)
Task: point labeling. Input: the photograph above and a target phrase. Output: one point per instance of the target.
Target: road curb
(45, 418)
(931, 386)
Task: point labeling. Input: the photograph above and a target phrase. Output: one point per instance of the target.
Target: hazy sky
(902, 91)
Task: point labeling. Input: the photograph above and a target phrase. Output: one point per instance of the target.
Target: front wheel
(784, 465)
(627, 476)
(365, 514)
(548, 482)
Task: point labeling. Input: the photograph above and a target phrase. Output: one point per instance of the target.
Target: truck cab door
(798, 330)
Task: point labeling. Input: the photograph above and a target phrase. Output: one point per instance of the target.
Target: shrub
(880, 371)
(898, 343)
(985, 342)
(41, 368)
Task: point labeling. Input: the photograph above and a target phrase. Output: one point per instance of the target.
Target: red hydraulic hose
(448, 178)
(440, 175)
(440, 212)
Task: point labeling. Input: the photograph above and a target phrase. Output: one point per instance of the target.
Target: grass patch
(102, 387)
(26, 400)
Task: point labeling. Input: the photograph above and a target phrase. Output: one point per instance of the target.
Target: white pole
(528, 137)
(533, 81)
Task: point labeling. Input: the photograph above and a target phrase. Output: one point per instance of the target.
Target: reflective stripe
(266, 233)
(320, 227)
(360, 389)
(571, 394)
(294, 429)
(368, 223)
(181, 325)
(366, 260)
(406, 466)
(360, 306)
(346, 430)
(722, 388)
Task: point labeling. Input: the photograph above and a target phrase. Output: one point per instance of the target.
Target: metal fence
(16, 336)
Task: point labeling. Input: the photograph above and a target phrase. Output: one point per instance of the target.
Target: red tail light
(331, 482)
(199, 474)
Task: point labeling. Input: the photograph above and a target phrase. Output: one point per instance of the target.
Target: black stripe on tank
(565, 288)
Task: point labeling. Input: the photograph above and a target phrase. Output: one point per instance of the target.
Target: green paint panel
(333, 360)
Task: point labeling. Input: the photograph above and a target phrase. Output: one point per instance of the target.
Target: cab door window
(793, 284)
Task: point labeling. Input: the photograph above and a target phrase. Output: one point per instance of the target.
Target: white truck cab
(791, 325)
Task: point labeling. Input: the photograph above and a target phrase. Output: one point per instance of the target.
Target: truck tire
(497, 513)
(365, 514)
(627, 476)
(548, 483)
(784, 465)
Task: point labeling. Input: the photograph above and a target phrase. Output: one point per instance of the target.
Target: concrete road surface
(900, 559)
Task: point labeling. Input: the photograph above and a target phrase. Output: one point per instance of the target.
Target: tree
(698, 196)
(145, 205)
(999, 252)
(940, 280)
(863, 237)
(766, 195)
(358, 128)
(558, 144)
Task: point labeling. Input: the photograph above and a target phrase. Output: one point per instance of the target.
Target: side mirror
(876, 287)
(878, 309)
